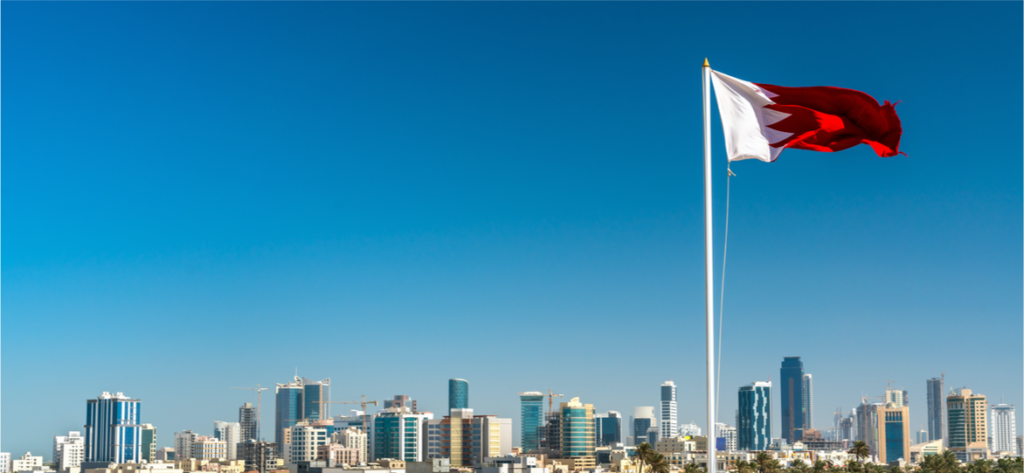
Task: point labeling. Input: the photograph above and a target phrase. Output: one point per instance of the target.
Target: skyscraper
(398, 434)
(316, 396)
(247, 418)
(895, 396)
(230, 433)
(458, 394)
(936, 406)
(792, 379)
(1003, 428)
(754, 431)
(288, 411)
(531, 417)
(893, 432)
(578, 432)
(643, 419)
(668, 410)
(608, 428)
(112, 430)
(808, 402)
(968, 429)
(922, 436)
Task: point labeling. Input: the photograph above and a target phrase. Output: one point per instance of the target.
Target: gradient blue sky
(205, 195)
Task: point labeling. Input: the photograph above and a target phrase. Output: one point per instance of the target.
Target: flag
(761, 120)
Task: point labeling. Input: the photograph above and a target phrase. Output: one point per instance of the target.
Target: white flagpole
(709, 292)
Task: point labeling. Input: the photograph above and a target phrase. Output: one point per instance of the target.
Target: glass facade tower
(315, 398)
(113, 432)
(608, 429)
(754, 432)
(288, 411)
(458, 394)
(792, 397)
(532, 415)
(936, 406)
(577, 429)
(668, 411)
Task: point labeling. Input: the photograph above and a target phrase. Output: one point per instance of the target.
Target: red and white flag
(761, 120)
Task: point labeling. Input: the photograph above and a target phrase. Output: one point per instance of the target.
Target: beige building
(967, 417)
(337, 454)
(209, 448)
(926, 449)
(352, 437)
(893, 434)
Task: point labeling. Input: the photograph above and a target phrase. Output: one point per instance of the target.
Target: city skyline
(311, 179)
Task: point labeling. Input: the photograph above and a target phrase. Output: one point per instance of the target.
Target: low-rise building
(305, 439)
(926, 449)
(352, 437)
(68, 450)
(209, 448)
(339, 454)
(27, 462)
(511, 464)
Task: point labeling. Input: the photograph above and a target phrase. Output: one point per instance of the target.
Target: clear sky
(206, 195)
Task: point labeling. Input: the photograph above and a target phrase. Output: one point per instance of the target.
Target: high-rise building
(231, 434)
(247, 419)
(148, 442)
(305, 438)
(209, 448)
(397, 433)
(112, 430)
(791, 396)
(578, 433)
(922, 436)
(288, 412)
(458, 394)
(607, 429)
(316, 398)
(68, 450)
(936, 408)
(531, 418)
(669, 423)
(183, 444)
(467, 439)
(551, 433)
(643, 419)
(259, 456)
(754, 432)
(401, 400)
(729, 434)
(895, 397)
(1003, 428)
(808, 401)
(893, 432)
(867, 424)
(968, 426)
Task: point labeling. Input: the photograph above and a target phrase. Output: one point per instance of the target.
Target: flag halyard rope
(721, 301)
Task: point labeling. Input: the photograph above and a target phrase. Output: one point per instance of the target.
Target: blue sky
(206, 195)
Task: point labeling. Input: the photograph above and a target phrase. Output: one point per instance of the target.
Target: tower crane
(259, 406)
(551, 400)
(362, 403)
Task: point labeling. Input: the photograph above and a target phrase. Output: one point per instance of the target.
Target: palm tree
(692, 468)
(798, 466)
(763, 461)
(819, 466)
(895, 469)
(743, 466)
(642, 456)
(658, 463)
(860, 450)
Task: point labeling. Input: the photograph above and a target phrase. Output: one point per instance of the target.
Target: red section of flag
(834, 119)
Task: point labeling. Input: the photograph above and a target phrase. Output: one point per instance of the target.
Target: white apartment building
(231, 433)
(68, 450)
(27, 462)
(727, 432)
(690, 429)
(5, 462)
(209, 448)
(353, 437)
(183, 444)
(304, 442)
(1003, 429)
(669, 422)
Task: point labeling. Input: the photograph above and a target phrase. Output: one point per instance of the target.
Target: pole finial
(706, 63)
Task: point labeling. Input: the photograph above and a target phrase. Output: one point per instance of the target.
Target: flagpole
(709, 293)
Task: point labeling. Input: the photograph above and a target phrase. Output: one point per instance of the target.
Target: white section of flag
(745, 119)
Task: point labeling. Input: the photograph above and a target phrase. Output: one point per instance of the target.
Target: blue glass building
(532, 417)
(113, 431)
(754, 429)
(640, 427)
(315, 398)
(792, 398)
(458, 394)
(288, 410)
(608, 429)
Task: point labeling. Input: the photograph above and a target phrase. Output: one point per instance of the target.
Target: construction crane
(362, 403)
(259, 406)
(551, 400)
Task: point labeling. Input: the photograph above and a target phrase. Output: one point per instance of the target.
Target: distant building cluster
(569, 435)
